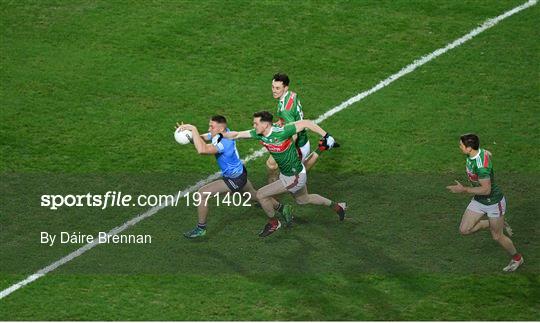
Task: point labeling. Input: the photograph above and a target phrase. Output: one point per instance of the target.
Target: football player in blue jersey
(234, 173)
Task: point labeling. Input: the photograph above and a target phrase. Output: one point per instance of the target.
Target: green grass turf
(90, 92)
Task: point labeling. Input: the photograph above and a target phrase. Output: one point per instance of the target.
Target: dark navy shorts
(237, 184)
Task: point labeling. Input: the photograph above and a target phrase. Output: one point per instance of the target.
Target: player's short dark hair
(219, 119)
(264, 115)
(470, 140)
(281, 77)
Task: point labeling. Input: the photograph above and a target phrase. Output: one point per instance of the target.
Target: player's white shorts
(294, 183)
(304, 150)
(492, 211)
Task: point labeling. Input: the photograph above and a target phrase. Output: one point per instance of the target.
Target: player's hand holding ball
(183, 134)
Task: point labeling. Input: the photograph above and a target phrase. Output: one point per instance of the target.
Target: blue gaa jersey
(227, 157)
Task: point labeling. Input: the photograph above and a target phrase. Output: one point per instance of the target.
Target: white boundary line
(404, 71)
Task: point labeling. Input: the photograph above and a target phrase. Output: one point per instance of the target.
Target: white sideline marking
(404, 71)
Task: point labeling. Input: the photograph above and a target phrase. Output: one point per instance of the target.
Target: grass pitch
(90, 93)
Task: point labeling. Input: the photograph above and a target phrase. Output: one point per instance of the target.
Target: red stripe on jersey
(500, 209)
(290, 102)
(278, 148)
(486, 159)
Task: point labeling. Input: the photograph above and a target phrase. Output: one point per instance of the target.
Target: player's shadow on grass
(319, 291)
(326, 286)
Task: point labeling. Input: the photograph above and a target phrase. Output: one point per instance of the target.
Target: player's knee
(302, 200)
(496, 235)
(463, 230)
(260, 195)
(271, 164)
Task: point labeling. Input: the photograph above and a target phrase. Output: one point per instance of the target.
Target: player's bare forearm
(236, 135)
(483, 189)
(198, 140)
(478, 190)
(230, 134)
(308, 124)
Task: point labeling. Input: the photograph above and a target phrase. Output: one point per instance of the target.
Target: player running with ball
(292, 178)
(233, 171)
(488, 198)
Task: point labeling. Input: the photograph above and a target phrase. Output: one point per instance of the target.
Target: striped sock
(334, 206)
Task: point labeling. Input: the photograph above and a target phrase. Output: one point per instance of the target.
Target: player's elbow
(306, 124)
(202, 152)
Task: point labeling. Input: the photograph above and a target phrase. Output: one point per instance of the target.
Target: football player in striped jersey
(289, 110)
(292, 178)
(234, 173)
(488, 199)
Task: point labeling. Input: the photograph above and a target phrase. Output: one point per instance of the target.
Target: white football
(183, 137)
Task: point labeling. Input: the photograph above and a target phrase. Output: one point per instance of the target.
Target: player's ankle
(335, 206)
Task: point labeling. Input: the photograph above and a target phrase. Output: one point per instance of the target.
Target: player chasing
(289, 109)
(234, 173)
(488, 199)
(292, 178)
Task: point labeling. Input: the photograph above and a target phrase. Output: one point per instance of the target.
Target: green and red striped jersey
(280, 145)
(481, 167)
(289, 109)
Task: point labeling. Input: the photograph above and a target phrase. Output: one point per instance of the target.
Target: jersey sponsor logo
(277, 148)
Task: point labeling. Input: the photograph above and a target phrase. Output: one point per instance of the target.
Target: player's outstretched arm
(236, 134)
(327, 140)
(308, 124)
(202, 147)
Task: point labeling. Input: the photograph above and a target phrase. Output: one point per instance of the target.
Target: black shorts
(236, 184)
